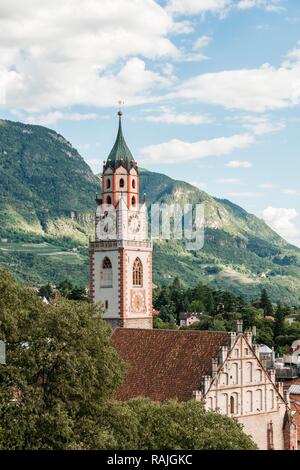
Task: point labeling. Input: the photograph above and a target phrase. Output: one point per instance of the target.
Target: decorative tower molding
(121, 254)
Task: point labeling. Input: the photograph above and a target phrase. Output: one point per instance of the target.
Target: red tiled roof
(165, 364)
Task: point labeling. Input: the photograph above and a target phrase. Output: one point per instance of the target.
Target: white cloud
(193, 7)
(282, 220)
(202, 42)
(228, 180)
(257, 90)
(268, 5)
(57, 54)
(268, 185)
(199, 184)
(245, 194)
(239, 164)
(291, 192)
(176, 150)
(55, 116)
(260, 125)
(169, 115)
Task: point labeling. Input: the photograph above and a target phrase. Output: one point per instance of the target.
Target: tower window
(137, 273)
(122, 183)
(108, 183)
(133, 200)
(133, 184)
(108, 200)
(106, 273)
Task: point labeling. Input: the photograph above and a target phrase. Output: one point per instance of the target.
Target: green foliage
(265, 303)
(144, 425)
(60, 368)
(221, 311)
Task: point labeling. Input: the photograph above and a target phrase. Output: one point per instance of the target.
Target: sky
(211, 89)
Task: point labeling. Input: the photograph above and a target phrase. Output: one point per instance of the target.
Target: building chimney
(197, 395)
(232, 339)
(256, 350)
(287, 395)
(239, 327)
(214, 366)
(223, 354)
(248, 335)
(254, 332)
(206, 381)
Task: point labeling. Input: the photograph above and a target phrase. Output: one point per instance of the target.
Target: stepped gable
(165, 364)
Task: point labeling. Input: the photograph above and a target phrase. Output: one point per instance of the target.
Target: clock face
(137, 302)
(107, 224)
(134, 223)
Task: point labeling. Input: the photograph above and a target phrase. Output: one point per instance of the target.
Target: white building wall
(243, 389)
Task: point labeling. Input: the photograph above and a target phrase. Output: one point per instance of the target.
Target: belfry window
(108, 200)
(106, 273)
(108, 183)
(133, 200)
(122, 183)
(133, 184)
(137, 274)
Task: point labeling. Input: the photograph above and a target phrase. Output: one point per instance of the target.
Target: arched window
(122, 183)
(232, 405)
(133, 184)
(271, 400)
(249, 372)
(108, 200)
(107, 183)
(137, 273)
(133, 200)
(249, 402)
(259, 400)
(106, 273)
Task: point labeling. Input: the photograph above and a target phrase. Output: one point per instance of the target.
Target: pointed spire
(120, 153)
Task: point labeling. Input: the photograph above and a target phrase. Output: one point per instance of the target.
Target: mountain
(47, 209)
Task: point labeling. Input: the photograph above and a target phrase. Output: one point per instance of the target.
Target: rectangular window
(106, 304)
(246, 351)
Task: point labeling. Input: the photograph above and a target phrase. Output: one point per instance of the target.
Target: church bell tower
(121, 254)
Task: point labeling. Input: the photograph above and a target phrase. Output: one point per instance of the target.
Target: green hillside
(47, 209)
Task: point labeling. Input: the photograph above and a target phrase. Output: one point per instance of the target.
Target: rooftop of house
(295, 390)
(165, 364)
(264, 349)
(185, 315)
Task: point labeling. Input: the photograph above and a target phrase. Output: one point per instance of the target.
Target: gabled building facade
(223, 369)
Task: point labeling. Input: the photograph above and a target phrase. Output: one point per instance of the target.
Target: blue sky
(211, 89)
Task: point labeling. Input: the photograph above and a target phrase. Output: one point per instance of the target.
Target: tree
(46, 291)
(279, 328)
(59, 370)
(209, 303)
(140, 424)
(265, 303)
